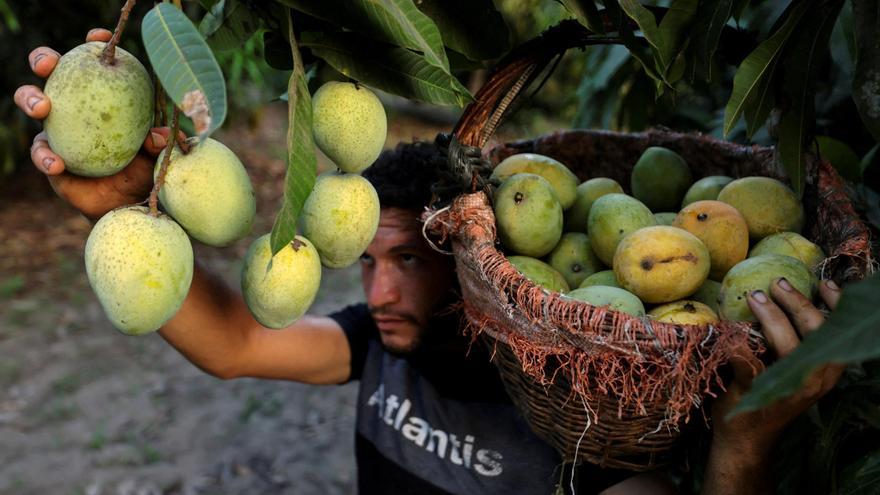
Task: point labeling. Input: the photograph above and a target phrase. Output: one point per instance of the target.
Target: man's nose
(383, 289)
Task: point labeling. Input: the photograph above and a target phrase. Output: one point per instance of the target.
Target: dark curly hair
(403, 176)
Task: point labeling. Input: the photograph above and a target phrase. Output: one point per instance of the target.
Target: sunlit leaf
(850, 335)
(185, 66)
(758, 65)
(301, 161)
(672, 30)
(389, 68)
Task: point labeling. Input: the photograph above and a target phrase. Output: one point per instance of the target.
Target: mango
(605, 277)
(540, 273)
(660, 179)
(588, 192)
(528, 215)
(684, 312)
(769, 206)
(757, 274)
(721, 228)
(574, 258)
(790, 244)
(665, 217)
(612, 217)
(612, 297)
(340, 217)
(208, 192)
(349, 124)
(563, 181)
(100, 113)
(661, 264)
(279, 290)
(140, 267)
(708, 294)
(706, 188)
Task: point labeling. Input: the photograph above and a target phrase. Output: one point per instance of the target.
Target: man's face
(405, 281)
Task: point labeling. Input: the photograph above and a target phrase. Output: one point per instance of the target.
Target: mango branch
(108, 57)
(166, 159)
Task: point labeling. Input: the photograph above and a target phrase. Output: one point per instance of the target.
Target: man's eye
(408, 258)
(366, 259)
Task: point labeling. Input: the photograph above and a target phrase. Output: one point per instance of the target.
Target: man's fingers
(31, 100)
(745, 367)
(781, 336)
(806, 317)
(157, 139)
(43, 61)
(830, 293)
(99, 34)
(44, 158)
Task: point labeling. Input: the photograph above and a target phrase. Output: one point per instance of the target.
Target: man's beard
(433, 334)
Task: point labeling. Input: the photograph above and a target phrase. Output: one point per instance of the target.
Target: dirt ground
(87, 410)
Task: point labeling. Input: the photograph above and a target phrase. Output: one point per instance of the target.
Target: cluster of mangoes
(140, 263)
(689, 251)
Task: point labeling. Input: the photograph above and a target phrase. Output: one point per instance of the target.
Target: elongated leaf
(866, 81)
(301, 161)
(618, 18)
(850, 335)
(758, 107)
(801, 65)
(586, 13)
(185, 66)
(671, 30)
(228, 24)
(757, 65)
(709, 21)
(473, 28)
(398, 22)
(390, 68)
(863, 477)
(645, 20)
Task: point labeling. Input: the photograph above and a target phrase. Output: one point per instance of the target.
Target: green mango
(100, 113)
(140, 267)
(349, 124)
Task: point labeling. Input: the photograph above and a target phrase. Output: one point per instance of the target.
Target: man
(432, 416)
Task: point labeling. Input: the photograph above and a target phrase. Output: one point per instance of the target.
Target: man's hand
(93, 196)
(741, 445)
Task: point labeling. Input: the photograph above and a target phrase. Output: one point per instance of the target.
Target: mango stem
(166, 159)
(108, 57)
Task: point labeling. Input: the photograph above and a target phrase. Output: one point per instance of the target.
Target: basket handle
(516, 72)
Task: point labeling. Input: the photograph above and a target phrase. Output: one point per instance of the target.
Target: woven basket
(598, 385)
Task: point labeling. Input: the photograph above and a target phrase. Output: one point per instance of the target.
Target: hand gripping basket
(598, 385)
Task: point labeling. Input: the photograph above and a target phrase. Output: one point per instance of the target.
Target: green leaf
(228, 25)
(758, 107)
(645, 20)
(675, 21)
(389, 68)
(709, 21)
(301, 160)
(185, 66)
(866, 81)
(802, 62)
(398, 22)
(758, 65)
(862, 477)
(850, 335)
(586, 13)
(619, 19)
(473, 28)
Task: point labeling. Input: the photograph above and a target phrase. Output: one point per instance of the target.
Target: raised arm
(213, 328)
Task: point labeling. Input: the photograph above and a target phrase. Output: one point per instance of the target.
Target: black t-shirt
(439, 422)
